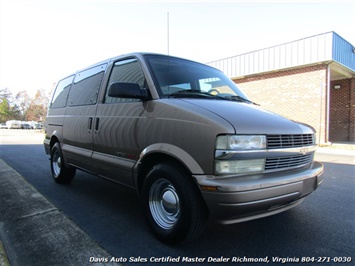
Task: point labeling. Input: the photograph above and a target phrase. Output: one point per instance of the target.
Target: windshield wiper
(203, 94)
(192, 94)
(239, 99)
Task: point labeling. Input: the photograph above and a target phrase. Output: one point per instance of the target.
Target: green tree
(5, 110)
(8, 110)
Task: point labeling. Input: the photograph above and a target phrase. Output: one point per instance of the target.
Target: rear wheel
(60, 172)
(173, 204)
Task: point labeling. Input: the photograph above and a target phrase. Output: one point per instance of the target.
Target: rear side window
(126, 71)
(85, 88)
(60, 95)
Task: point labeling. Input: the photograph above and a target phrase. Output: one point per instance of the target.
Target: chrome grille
(279, 163)
(289, 141)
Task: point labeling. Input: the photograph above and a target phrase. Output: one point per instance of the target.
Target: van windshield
(176, 77)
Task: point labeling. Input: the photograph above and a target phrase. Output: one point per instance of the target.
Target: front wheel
(173, 204)
(60, 172)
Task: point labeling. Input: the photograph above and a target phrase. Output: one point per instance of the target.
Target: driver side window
(125, 71)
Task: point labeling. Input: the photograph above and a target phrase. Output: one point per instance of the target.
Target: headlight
(241, 142)
(237, 145)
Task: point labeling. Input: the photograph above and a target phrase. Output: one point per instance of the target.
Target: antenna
(168, 31)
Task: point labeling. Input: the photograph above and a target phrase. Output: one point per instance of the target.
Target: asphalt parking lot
(42, 223)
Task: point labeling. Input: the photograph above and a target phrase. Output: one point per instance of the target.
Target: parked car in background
(3, 125)
(13, 124)
(38, 126)
(25, 126)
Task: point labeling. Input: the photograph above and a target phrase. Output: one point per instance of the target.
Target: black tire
(60, 173)
(173, 204)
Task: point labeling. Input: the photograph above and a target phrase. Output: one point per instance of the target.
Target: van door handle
(90, 123)
(97, 124)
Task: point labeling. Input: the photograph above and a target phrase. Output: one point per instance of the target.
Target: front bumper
(239, 199)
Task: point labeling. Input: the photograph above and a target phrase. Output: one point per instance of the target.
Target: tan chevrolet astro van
(185, 137)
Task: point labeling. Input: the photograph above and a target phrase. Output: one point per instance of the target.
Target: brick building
(311, 80)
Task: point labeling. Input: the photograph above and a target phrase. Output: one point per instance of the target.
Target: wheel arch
(53, 140)
(160, 153)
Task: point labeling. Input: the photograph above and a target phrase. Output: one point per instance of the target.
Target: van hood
(251, 119)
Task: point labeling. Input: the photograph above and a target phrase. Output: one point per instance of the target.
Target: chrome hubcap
(56, 163)
(164, 203)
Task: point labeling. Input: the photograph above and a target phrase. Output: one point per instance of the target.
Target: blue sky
(41, 41)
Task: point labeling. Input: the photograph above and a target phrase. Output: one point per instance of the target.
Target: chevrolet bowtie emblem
(303, 151)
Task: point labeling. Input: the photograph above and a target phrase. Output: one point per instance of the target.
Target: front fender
(173, 151)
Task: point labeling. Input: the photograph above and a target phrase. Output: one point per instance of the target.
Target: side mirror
(127, 90)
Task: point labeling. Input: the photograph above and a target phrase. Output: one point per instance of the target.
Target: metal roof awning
(327, 48)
